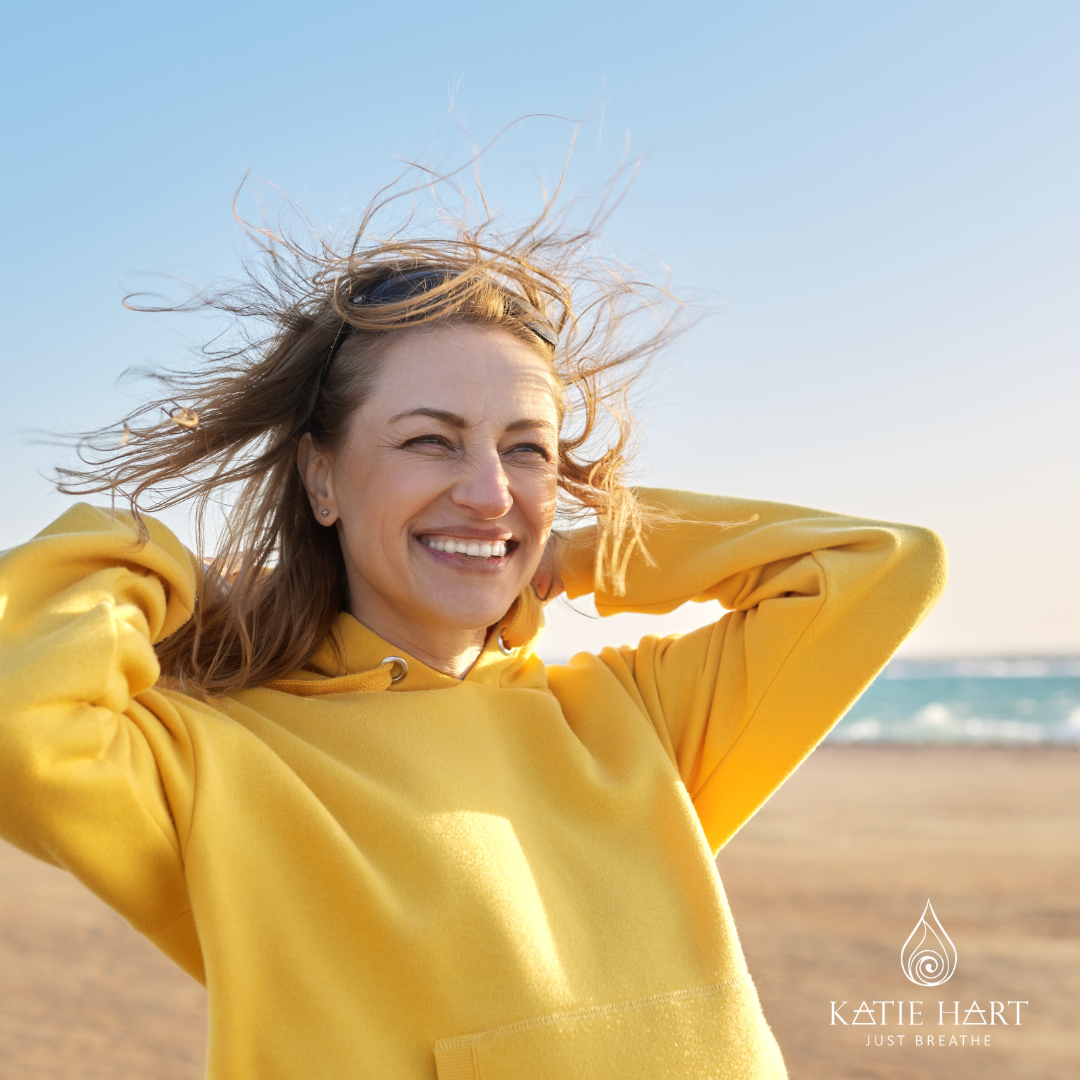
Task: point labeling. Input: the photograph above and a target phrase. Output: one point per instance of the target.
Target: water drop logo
(928, 956)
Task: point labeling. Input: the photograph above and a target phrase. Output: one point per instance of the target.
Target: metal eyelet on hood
(401, 664)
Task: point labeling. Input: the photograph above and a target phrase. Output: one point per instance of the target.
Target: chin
(467, 614)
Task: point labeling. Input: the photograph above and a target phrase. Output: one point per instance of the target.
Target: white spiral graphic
(928, 956)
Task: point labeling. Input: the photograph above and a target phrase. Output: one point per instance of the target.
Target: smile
(473, 548)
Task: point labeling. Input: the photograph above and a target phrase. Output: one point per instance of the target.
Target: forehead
(477, 372)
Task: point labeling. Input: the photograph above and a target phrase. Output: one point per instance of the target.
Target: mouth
(491, 552)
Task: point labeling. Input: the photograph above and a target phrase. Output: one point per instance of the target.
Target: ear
(316, 471)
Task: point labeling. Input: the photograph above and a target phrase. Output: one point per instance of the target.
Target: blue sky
(880, 198)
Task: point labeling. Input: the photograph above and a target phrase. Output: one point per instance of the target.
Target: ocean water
(1011, 702)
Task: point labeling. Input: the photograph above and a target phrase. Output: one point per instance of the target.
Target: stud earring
(324, 512)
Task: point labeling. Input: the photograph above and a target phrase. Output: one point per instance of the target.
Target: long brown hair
(226, 432)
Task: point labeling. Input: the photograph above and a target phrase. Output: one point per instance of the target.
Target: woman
(330, 777)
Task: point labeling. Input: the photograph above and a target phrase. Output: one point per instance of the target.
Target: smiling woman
(330, 776)
(439, 327)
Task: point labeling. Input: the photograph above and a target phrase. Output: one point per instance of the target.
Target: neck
(448, 649)
(452, 653)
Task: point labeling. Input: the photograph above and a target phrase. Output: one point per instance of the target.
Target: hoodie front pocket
(713, 1032)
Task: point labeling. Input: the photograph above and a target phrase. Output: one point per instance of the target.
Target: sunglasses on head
(406, 286)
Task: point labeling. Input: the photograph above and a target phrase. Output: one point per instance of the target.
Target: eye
(531, 449)
(428, 442)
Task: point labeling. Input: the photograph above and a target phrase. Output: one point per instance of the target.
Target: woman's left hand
(546, 581)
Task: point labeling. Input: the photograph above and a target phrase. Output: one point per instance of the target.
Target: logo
(928, 957)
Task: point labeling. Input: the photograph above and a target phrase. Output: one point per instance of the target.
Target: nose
(483, 487)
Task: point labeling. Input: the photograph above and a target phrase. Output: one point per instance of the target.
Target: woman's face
(443, 492)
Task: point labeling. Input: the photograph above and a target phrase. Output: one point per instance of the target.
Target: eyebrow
(459, 422)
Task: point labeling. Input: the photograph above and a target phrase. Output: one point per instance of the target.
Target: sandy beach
(826, 884)
(830, 878)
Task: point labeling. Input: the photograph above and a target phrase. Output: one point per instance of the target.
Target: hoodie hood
(363, 662)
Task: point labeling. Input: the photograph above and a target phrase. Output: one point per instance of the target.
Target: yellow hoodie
(507, 877)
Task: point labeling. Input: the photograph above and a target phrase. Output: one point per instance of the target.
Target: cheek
(536, 496)
(384, 492)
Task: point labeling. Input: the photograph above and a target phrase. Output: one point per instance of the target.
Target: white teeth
(496, 549)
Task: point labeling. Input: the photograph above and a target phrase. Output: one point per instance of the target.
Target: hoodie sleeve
(96, 768)
(817, 605)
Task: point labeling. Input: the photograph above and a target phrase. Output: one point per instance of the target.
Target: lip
(464, 532)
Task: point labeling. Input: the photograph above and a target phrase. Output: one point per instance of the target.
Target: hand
(546, 581)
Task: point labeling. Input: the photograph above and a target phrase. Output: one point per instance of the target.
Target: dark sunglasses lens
(405, 286)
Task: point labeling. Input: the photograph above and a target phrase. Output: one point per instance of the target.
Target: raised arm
(92, 778)
(818, 603)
